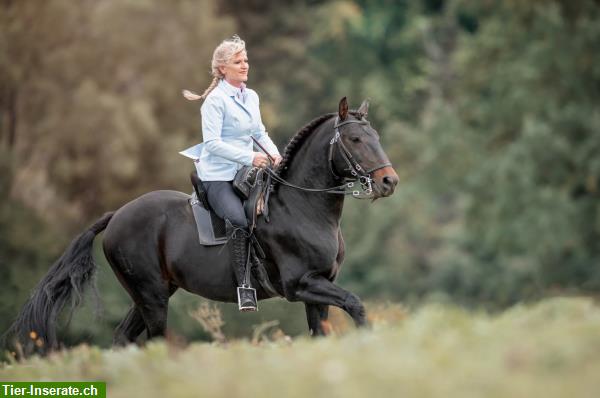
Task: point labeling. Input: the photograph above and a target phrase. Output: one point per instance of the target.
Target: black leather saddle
(211, 228)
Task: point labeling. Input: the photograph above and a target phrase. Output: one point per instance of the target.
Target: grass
(548, 349)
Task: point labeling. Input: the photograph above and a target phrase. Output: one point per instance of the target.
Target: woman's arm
(261, 135)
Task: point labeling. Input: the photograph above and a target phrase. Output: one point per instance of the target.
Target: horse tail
(34, 329)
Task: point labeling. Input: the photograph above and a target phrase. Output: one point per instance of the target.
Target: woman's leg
(225, 202)
(227, 205)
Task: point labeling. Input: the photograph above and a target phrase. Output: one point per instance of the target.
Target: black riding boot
(238, 247)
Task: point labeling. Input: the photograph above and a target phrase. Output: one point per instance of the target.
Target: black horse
(152, 245)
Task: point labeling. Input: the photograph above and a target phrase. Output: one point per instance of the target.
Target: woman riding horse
(152, 246)
(230, 117)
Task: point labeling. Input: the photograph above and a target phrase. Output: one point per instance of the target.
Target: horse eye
(355, 139)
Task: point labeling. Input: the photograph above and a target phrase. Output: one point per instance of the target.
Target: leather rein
(359, 174)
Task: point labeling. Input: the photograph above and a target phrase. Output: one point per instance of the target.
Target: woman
(230, 117)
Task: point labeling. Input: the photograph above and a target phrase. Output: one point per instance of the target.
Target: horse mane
(297, 140)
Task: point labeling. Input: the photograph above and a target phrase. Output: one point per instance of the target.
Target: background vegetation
(551, 349)
(489, 111)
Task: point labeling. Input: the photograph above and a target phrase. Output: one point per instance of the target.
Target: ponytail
(191, 96)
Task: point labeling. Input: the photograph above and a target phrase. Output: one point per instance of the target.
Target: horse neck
(310, 168)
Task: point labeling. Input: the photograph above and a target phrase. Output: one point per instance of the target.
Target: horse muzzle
(385, 181)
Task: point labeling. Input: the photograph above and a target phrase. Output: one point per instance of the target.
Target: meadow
(546, 349)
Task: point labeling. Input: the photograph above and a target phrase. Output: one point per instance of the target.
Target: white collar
(231, 90)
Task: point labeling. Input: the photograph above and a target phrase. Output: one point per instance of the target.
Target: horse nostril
(390, 181)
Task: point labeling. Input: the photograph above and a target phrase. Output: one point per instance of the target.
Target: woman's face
(236, 70)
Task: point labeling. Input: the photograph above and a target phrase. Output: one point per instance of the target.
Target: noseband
(359, 174)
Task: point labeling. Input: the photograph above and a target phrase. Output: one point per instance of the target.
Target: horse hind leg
(155, 318)
(149, 311)
(130, 328)
(151, 315)
(154, 311)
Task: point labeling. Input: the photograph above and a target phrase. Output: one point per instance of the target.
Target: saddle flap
(211, 228)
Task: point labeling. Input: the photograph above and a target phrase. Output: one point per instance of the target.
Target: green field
(548, 349)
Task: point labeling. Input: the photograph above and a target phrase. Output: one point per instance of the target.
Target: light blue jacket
(227, 124)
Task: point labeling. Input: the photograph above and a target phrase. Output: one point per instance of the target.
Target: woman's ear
(343, 109)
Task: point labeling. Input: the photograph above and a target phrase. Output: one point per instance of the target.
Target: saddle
(252, 186)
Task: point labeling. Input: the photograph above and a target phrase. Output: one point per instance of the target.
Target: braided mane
(296, 141)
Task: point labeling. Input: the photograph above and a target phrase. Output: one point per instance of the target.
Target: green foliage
(27, 246)
(524, 103)
(550, 350)
(499, 198)
(537, 175)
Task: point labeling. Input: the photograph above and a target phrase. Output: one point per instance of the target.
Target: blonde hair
(221, 56)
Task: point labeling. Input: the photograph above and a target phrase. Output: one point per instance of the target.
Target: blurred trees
(527, 102)
(488, 110)
(27, 247)
(91, 117)
(501, 199)
(96, 87)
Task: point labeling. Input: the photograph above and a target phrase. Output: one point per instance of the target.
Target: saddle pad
(211, 228)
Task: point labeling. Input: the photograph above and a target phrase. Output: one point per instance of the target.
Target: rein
(359, 174)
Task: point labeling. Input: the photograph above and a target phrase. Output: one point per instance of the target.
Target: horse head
(359, 152)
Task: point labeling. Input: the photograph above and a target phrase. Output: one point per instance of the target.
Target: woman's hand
(260, 160)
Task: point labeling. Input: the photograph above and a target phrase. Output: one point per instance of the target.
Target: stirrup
(247, 298)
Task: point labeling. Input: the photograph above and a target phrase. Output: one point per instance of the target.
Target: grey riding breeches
(225, 202)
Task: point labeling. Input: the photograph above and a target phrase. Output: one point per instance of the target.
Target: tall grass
(549, 349)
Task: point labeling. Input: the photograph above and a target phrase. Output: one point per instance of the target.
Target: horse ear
(343, 109)
(364, 108)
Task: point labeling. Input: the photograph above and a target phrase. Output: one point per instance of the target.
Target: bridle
(359, 174)
(356, 170)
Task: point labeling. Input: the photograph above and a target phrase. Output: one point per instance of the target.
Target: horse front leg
(316, 289)
(317, 315)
